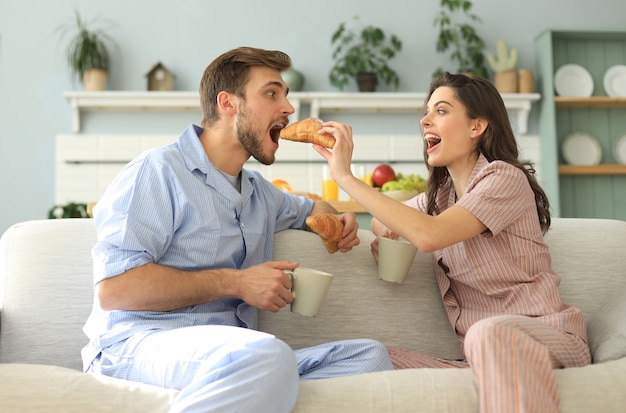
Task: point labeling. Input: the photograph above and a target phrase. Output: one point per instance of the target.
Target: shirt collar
(193, 151)
(196, 158)
(479, 166)
(481, 162)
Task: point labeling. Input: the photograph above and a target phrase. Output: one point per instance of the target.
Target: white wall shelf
(518, 104)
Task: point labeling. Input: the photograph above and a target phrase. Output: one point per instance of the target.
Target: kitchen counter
(362, 216)
(347, 206)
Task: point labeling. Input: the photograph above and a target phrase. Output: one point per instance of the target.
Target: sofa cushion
(360, 305)
(607, 329)
(585, 254)
(408, 359)
(399, 391)
(593, 388)
(34, 388)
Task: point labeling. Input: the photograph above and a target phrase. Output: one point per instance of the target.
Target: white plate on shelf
(573, 80)
(581, 148)
(615, 81)
(619, 150)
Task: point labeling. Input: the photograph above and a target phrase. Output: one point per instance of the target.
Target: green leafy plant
(367, 50)
(87, 49)
(69, 210)
(459, 37)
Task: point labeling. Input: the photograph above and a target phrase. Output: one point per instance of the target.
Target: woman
(483, 217)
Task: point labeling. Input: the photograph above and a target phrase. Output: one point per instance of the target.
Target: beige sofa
(45, 287)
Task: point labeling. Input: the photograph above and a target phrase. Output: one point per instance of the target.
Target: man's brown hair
(230, 72)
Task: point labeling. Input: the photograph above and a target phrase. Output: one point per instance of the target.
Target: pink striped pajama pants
(513, 359)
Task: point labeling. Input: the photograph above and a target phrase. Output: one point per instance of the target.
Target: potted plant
(87, 54)
(459, 37)
(364, 56)
(503, 65)
(69, 210)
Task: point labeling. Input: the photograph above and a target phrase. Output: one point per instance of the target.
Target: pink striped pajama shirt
(502, 297)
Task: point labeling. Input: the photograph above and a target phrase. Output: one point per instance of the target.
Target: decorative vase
(525, 81)
(367, 81)
(95, 80)
(293, 78)
(506, 82)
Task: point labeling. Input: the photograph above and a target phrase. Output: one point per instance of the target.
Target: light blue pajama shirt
(171, 206)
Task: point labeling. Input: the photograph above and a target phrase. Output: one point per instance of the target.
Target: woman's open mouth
(432, 141)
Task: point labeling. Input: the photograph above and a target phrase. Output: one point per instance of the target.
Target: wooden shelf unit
(605, 169)
(581, 190)
(589, 102)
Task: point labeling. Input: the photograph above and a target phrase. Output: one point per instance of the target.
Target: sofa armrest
(46, 276)
(36, 388)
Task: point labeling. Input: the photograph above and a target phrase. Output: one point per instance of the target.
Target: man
(184, 250)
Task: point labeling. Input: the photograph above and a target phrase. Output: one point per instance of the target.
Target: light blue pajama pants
(231, 369)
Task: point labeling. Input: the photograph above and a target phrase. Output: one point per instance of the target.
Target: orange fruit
(282, 185)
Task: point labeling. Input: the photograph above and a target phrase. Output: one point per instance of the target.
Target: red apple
(383, 173)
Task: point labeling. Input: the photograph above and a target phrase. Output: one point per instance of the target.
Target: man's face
(263, 113)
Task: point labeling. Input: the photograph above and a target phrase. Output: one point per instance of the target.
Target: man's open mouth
(275, 132)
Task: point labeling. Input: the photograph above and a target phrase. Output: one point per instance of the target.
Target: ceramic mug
(309, 289)
(394, 259)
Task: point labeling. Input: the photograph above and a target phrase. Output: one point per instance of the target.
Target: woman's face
(448, 132)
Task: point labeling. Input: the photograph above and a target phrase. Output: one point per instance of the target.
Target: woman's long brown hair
(482, 100)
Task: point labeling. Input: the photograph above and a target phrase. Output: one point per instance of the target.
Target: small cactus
(507, 59)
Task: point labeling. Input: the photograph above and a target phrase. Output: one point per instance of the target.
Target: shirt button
(242, 225)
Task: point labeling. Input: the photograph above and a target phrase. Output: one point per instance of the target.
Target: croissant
(329, 228)
(306, 131)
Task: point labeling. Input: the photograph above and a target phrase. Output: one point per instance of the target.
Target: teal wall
(187, 34)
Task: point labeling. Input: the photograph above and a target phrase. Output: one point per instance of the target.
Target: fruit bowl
(401, 195)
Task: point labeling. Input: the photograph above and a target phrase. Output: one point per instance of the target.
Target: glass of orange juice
(330, 190)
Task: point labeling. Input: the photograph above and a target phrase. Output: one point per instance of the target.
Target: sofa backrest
(46, 289)
(586, 253)
(360, 305)
(589, 255)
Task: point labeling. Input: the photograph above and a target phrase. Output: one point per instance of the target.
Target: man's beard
(249, 139)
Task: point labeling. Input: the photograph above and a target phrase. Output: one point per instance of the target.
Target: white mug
(394, 259)
(309, 290)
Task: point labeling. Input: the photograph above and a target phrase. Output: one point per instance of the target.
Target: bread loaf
(329, 228)
(306, 131)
